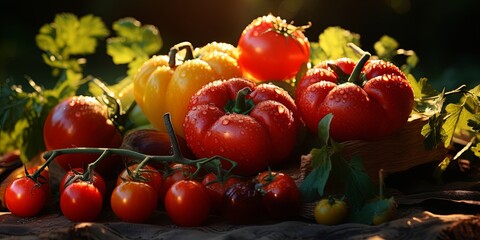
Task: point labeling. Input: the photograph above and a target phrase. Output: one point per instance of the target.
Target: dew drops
(209, 133)
(225, 122)
(280, 109)
(278, 91)
(204, 112)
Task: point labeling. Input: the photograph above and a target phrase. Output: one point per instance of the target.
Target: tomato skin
(242, 204)
(81, 202)
(150, 174)
(179, 172)
(133, 201)
(216, 190)
(24, 198)
(97, 180)
(187, 203)
(266, 53)
(280, 195)
(362, 110)
(330, 211)
(81, 121)
(264, 135)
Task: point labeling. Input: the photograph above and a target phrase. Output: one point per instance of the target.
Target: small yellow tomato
(330, 211)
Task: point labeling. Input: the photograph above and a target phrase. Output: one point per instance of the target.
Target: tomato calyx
(282, 27)
(241, 104)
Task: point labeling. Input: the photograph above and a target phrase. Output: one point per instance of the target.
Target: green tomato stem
(211, 164)
(241, 104)
(355, 76)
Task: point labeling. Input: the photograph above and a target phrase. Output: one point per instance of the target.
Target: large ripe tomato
(187, 203)
(216, 188)
(97, 180)
(81, 121)
(280, 195)
(81, 201)
(24, 198)
(133, 201)
(272, 49)
(254, 125)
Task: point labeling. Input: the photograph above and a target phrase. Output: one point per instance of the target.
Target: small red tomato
(272, 49)
(187, 203)
(97, 180)
(149, 175)
(242, 204)
(133, 201)
(216, 189)
(280, 194)
(24, 198)
(81, 202)
(179, 172)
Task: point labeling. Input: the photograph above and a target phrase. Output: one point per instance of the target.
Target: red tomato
(133, 201)
(24, 198)
(216, 189)
(280, 194)
(187, 203)
(148, 173)
(81, 121)
(97, 180)
(242, 204)
(179, 172)
(369, 100)
(253, 125)
(81, 202)
(272, 49)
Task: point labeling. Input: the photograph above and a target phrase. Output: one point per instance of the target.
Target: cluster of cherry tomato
(187, 201)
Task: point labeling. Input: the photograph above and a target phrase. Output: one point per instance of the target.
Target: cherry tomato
(81, 121)
(187, 203)
(242, 204)
(280, 194)
(149, 175)
(272, 49)
(179, 172)
(216, 189)
(97, 180)
(330, 211)
(24, 197)
(133, 201)
(81, 202)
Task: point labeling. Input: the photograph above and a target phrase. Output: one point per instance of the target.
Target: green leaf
(441, 167)
(324, 129)
(367, 213)
(433, 132)
(332, 44)
(314, 183)
(455, 114)
(476, 150)
(386, 47)
(359, 186)
(134, 44)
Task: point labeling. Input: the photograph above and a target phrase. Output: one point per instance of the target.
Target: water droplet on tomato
(242, 132)
(204, 112)
(222, 150)
(225, 122)
(280, 109)
(209, 133)
(278, 91)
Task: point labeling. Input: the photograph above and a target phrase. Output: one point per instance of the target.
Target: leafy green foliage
(68, 35)
(327, 161)
(333, 44)
(64, 42)
(387, 49)
(134, 44)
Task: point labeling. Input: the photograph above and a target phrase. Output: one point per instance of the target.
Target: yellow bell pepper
(162, 86)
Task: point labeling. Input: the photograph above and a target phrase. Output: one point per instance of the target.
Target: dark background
(445, 34)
